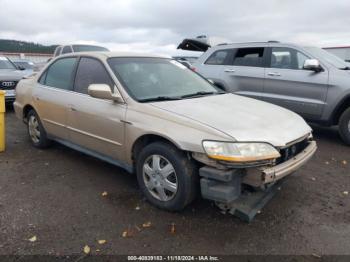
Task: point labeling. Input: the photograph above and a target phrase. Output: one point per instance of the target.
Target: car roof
(254, 44)
(108, 54)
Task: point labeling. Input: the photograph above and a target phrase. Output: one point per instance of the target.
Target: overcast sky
(160, 25)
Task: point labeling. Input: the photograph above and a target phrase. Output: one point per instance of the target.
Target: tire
(157, 181)
(344, 126)
(36, 131)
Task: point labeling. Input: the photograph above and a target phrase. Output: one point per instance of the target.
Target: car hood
(244, 119)
(13, 75)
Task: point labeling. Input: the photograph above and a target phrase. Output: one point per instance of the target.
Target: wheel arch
(147, 139)
(26, 109)
(341, 107)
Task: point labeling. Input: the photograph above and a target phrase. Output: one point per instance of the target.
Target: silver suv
(307, 80)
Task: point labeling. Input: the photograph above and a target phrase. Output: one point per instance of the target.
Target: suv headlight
(240, 152)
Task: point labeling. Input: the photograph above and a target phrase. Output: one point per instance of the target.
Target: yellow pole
(2, 121)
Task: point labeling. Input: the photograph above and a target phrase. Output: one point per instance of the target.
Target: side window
(67, 49)
(220, 57)
(91, 71)
(301, 60)
(287, 58)
(60, 73)
(249, 57)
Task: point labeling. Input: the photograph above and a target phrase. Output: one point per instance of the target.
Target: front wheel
(166, 176)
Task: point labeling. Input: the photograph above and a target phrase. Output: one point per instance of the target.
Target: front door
(287, 84)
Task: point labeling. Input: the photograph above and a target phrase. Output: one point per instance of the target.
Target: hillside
(25, 47)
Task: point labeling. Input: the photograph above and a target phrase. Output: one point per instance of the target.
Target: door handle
(273, 74)
(229, 70)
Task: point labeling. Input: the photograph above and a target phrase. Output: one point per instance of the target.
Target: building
(341, 51)
(34, 57)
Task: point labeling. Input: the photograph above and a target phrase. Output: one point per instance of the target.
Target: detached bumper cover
(278, 172)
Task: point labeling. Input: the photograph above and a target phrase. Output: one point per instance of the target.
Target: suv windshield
(330, 58)
(88, 48)
(148, 79)
(6, 64)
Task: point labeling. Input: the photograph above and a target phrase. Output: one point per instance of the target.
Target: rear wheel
(36, 131)
(166, 176)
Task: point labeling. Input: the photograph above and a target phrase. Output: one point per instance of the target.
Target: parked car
(9, 77)
(66, 49)
(23, 64)
(153, 116)
(307, 80)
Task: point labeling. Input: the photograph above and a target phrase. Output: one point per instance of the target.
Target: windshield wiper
(201, 93)
(160, 98)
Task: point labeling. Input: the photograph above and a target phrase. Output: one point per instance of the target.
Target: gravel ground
(56, 195)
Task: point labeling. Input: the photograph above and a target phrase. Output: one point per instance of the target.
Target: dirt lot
(55, 195)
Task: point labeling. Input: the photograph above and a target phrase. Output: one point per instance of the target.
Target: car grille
(292, 150)
(8, 85)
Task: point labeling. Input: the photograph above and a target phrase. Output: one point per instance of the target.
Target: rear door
(245, 74)
(96, 124)
(287, 84)
(214, 66)
(52, 96)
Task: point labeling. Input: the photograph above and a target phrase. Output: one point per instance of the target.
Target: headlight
(240, 152)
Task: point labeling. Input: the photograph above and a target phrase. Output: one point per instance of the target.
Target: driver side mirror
(103, 91)
(313, 65)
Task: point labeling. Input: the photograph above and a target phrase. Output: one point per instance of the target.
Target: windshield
(88, 48)
(159, 79)
(330, 58)
(5, 63)
(25, 65)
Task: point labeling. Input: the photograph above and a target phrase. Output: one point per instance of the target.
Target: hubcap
(33, 127)
(160, 177)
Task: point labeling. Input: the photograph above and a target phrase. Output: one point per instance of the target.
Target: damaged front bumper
(263, 175)
(227, 186)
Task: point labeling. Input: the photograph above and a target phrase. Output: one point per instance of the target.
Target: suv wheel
(36, 131)
(344, 126)
(166, 176)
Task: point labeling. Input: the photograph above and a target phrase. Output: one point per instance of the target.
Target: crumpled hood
(242, 118)
(12, 75)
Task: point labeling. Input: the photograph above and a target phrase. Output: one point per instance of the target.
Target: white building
(341, 51)
(34, 57)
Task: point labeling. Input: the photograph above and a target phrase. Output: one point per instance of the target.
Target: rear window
(249, 57)
(67, 49)
(220, 57)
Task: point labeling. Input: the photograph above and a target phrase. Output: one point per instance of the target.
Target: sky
(158, 26)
